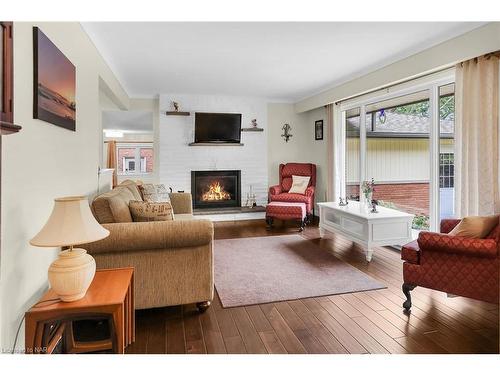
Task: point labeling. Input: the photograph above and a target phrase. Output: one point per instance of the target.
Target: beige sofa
(173, 260)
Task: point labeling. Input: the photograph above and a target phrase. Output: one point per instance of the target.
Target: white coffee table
(358, 224)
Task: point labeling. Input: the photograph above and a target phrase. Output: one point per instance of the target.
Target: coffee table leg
(369, 253)
(321, 232)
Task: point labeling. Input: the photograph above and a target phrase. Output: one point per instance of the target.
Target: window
(446, 171)
(134, 158)
(403, 138)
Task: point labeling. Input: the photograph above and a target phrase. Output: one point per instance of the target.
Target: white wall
(301, 148)
(177, 159)
(44, 161)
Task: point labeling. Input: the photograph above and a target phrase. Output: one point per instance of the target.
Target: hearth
(213, 189)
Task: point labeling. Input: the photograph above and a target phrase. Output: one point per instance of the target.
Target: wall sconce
(286, 132)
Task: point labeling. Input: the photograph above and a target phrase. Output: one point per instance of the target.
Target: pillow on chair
(299, 184)
(475, 226)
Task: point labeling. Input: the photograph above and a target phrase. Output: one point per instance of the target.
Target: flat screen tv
(217, 127)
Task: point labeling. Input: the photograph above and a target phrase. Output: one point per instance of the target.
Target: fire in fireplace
(215, 192)
(212, 189)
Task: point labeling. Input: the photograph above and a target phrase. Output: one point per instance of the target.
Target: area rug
(256, 270)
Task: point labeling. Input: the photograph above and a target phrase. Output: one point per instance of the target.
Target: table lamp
(70, 224)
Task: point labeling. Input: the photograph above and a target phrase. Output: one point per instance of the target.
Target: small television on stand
(217, 127)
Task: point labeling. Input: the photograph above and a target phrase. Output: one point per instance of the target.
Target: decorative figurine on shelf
(177, 106)
(374, 207)
(254, 123)
(286, 132)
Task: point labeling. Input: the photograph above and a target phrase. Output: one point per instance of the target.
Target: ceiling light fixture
(113, 133)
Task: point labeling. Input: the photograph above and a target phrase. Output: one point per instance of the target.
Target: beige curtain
(477, 137)
(329, 143)
(111, 160)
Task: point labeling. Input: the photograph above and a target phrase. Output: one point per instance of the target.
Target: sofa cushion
(134, 189)
(154, 193)
(290, 197)
(182, 217)
(151, 211)
(112, 207)
(475, 226)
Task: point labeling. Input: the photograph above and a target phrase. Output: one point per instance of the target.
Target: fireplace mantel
(215, 144)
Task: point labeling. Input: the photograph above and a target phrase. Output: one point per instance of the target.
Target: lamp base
(71, 273)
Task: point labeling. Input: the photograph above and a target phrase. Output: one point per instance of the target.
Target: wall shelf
(215, 144)
(7, 128)
(177, 113)
(252, 129)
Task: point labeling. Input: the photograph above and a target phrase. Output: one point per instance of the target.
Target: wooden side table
(110, 298)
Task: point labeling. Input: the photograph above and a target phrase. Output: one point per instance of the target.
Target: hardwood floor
(366, 322)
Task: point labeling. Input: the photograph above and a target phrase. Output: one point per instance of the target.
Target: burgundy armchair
(467, 267)
(280, 192)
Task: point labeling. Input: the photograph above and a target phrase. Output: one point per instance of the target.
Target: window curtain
(477, 137)
(111, 160)
(330, 162)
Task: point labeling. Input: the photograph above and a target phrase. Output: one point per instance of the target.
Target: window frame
(137, 146)
(431, 84)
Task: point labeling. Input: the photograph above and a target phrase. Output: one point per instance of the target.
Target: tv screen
(217, 127)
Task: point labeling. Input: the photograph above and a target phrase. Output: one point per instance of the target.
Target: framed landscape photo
(54, 83)
(318, 130)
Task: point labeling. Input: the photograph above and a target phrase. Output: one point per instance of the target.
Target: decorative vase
(368, 200)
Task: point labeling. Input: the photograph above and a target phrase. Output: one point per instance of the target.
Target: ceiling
(128, 121)
(282, 61)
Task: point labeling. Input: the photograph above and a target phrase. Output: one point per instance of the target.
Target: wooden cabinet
(102, 321)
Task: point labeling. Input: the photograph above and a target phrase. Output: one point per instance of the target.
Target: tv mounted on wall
(217, 127)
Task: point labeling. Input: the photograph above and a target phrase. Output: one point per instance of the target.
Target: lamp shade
(70, 223)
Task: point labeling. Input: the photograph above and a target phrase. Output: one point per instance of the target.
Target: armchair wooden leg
(407, 288)
(203, 306)
(269, 222)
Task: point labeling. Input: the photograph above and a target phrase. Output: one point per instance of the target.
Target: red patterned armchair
(467, 267)
(280, 192)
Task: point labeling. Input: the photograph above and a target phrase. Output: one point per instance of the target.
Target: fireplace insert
(212, 189)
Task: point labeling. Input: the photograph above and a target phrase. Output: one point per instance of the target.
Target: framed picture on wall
(54, 83)
(318, 130)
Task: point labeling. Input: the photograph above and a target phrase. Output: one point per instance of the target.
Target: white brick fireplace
(177, 159)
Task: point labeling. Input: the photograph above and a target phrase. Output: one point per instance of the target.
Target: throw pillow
(154, 193)
(151, 211)
(475, 226)
(299, 184)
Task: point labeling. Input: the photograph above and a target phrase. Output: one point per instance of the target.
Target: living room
(237, 188)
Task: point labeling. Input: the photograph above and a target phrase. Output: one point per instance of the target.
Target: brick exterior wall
(148, 154)
(409, 197)
(130, 152)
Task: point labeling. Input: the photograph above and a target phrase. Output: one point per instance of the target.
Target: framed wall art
(54, 83)
(318, 130)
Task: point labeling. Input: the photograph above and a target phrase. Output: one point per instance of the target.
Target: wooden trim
(7, 115)
(252, 129)
(7, 128)
(177, 113)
